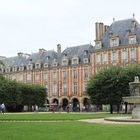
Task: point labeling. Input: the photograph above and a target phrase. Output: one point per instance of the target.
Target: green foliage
(108, 86)
(16, 95)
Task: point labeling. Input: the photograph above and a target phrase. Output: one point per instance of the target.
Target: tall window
(64, 89)
(84, 86)
(64, 75)
(114, 56)
(86, 73)
(105, 58)
(20, 78)
(55, 89)
(132, 54)
(74, 88)
(29, 76)
(37, 77)
(74, 74)
(98, 58)
(124, 55)
(14, 77)
(45, 76)
(54, 75)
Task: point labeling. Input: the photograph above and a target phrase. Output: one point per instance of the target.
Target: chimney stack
(58, 48)
(20, 54)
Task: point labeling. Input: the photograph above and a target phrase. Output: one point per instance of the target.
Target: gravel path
(106, 122)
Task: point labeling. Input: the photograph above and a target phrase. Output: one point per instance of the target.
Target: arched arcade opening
(76, 105)
(64, 104)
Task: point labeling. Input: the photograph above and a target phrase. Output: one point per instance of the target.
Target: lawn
(54, 116)
(67, 131)
(72, 130)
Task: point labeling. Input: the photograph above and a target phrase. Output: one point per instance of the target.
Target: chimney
(100, 30)
(42, 50)
(20, 54)
(58, 48)
(97, 30)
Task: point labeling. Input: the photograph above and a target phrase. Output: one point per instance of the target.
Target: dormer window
(48, 57)
(85, 60)
(85, 52)
(65, 62)
(21, 68)
(14, 68)
(55, 63)
(75, 60)
(132, 39)
(2, 70)
(37, 65)
(98, 45)
(8, 69)
(46, 65)
(30, 67)
(114, 41)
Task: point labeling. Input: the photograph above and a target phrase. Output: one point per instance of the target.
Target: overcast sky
(27, 25)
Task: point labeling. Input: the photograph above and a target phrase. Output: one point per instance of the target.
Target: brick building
(65, 74)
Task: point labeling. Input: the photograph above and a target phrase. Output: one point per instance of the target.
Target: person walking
(3, 108)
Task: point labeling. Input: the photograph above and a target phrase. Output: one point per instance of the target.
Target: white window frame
(98, 58)
(105, 58)
(132, 39)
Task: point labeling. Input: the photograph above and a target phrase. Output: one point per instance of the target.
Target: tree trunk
(125, 107)
(111, 109)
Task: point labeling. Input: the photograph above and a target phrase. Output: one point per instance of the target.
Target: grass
(72, 130)
(67, 131)
(54, 116)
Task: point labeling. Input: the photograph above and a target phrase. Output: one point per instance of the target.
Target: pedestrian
(3, 108)
(68, 109)
(52, 108)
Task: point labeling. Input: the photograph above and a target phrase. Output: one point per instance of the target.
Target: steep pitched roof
(78, 50)
(17, 60)
(121, 28)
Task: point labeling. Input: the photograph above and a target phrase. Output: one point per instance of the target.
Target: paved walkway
(106, 122)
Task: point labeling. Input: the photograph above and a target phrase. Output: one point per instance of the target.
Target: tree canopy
(108, 86)
(16, 95)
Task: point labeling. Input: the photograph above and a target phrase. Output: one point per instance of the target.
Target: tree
(108, 86)
(16, 95)
(33, 95)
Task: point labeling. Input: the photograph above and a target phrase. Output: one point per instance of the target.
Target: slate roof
(78, 51)
(121, 28)
(15, 61)
(49, 56)
(45, 57)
